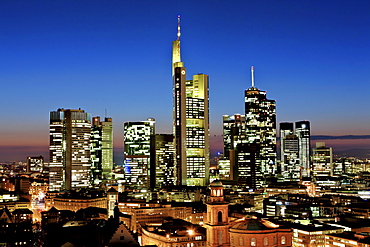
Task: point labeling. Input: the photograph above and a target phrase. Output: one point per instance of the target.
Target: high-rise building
(302, 130)
(70, 132)
(165, 160)
(233, 132)
(191, 122)
(290, 163)
(286, 128)
(260, 120)
(322, 160)
(35, 164)
(101, 149)
(139, 153)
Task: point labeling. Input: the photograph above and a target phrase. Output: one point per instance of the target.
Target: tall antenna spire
(252, 72)
(178, 27)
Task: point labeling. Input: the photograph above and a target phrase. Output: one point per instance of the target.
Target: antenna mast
(178, 27)
(252, 72)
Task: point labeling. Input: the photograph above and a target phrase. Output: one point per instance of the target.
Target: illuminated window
(265, 242)
(283, 240)
(253, 242)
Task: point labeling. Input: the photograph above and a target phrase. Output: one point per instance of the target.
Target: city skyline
(311, 58)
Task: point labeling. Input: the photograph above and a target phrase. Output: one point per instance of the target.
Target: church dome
(216, 183)
(254, 224)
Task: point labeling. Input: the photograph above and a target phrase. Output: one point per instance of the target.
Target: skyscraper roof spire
(178, 28)
(252, 72)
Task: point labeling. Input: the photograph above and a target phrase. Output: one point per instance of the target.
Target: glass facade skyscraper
(260, 121)
(139, 153)
(302, 130)
(101, 149)
(70, 132)
(191, 123)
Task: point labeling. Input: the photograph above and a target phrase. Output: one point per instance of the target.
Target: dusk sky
(312, 57)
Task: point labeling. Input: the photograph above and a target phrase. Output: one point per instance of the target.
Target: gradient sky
(312, 57)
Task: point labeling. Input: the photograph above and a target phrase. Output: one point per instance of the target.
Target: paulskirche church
(249, 231)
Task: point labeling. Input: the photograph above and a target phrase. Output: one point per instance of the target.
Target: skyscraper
(290, 163)
(322, 160)
(165, 160)
(302, 129)
(139, 153)
(260, 119)
(286, 128)
(101, 149)
(191, 122)
(70, 132)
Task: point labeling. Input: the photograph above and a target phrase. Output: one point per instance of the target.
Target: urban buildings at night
(167, 192)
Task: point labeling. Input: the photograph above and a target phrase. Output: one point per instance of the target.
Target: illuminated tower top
(252, 72)
(176, 53)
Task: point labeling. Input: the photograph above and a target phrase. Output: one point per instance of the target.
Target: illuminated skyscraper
(70, 132)
(233, 132)
(302, 130)
(139, 152)
(191, 122)
(260, 119)
(101, 149)
(165, 160)
(286, 128)
(322, 160)
(290, 163)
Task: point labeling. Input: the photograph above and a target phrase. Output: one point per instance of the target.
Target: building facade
(302, 129)
(139, 153)
(101, 149)
(191, 122)
(260, 121)
(165, 160)
(70, 133)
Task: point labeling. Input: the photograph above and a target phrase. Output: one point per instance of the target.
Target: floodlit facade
(191, 122)
(139, 153)
(70, 132)
(101, 149)
(260, 120)
(302, 130)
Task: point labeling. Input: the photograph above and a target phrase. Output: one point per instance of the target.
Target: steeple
(176, 53)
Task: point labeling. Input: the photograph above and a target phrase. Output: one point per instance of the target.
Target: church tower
(217, 220)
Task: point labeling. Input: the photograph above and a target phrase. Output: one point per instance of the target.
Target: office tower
(249, 173)
(70, 132)
(233, 132)
(191, 122)
(322, 160)
(290, 163)
(302, 130)
(260, 121)
(165, 160)
(101, 149)
(139, 153)
(35, 164)
(286, 128)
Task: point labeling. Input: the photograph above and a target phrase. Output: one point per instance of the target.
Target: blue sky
(312, 57)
